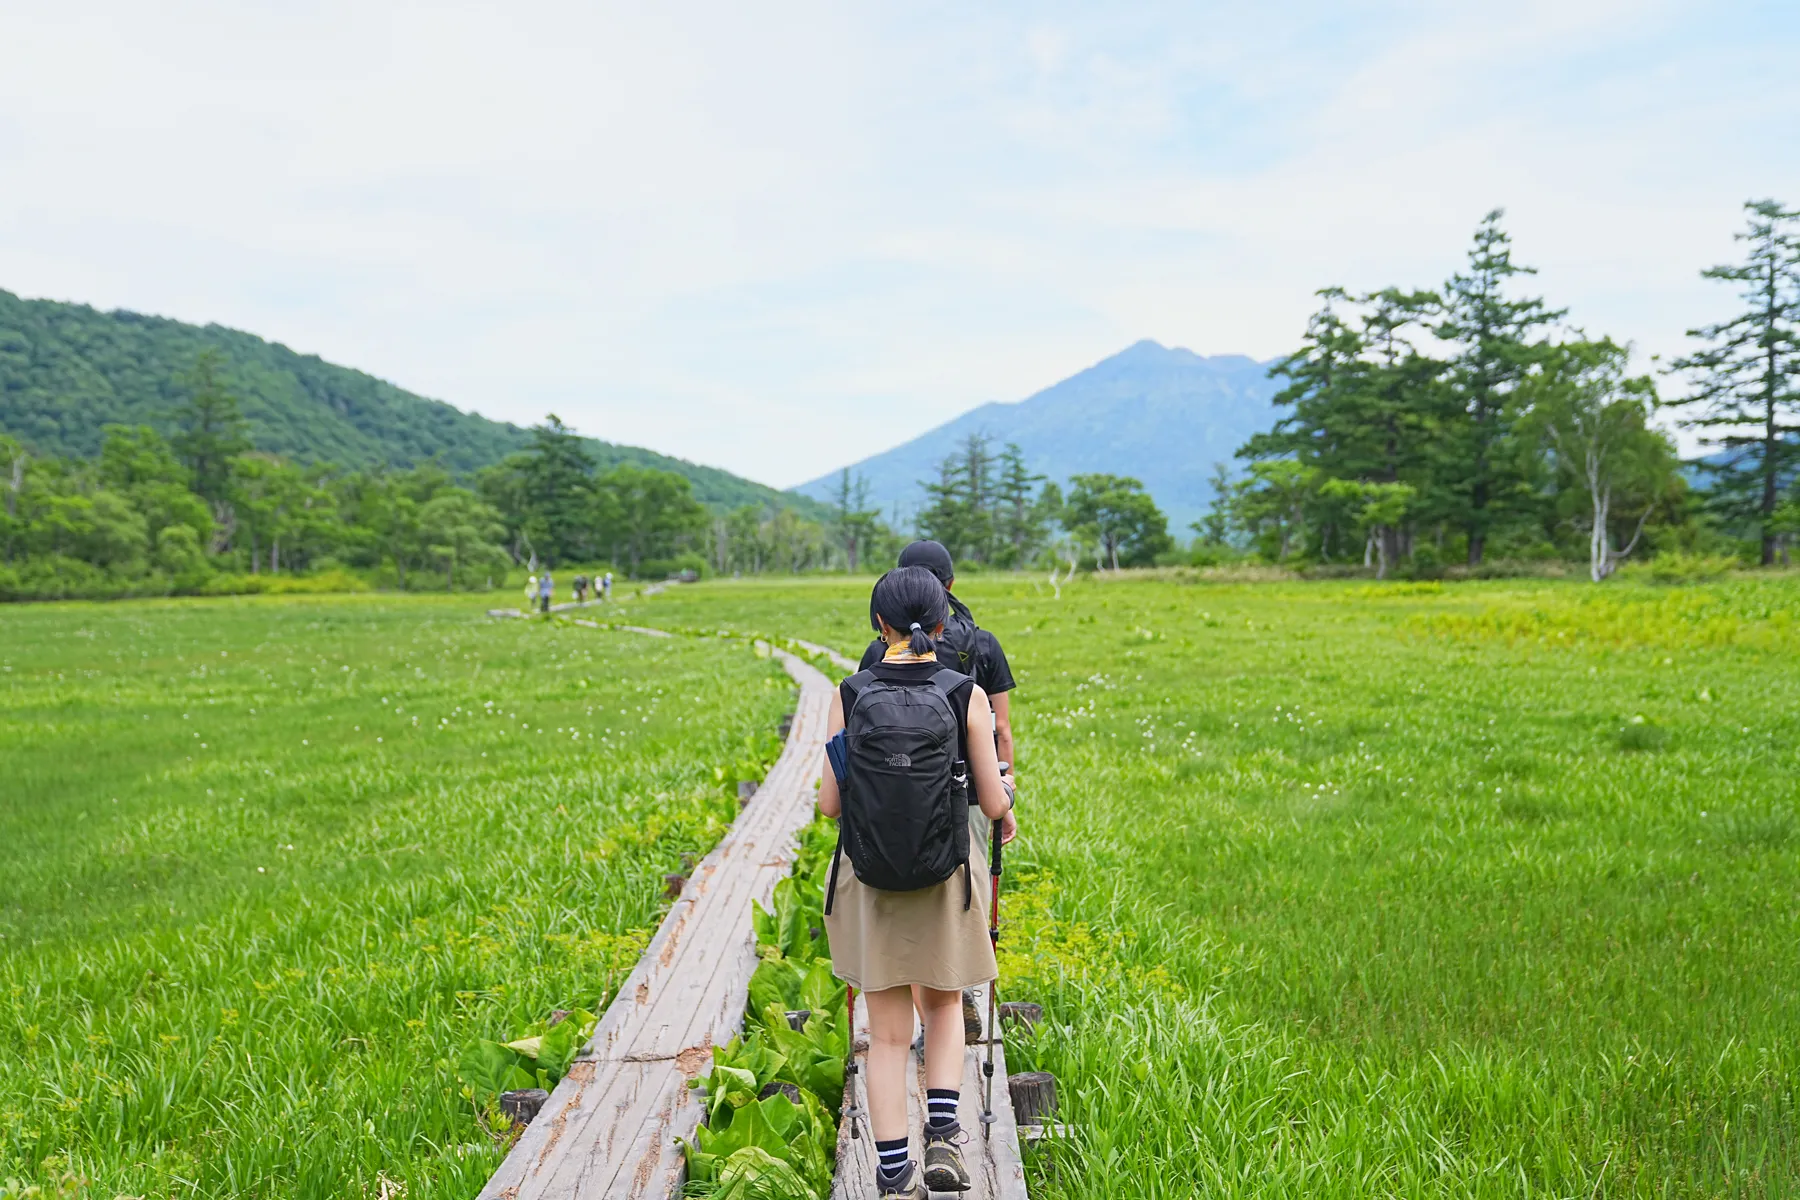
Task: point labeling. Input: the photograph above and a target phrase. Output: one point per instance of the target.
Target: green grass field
(1353, 891)
(1330, 890)
(266, 865)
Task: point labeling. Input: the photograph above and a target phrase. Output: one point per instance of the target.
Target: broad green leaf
(820, 990)
(782, 1115)
(490, 1068)
(776, 981)
(558, 1048)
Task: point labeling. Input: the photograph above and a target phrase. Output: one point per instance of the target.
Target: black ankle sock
(892, 1161)
(940, 1109)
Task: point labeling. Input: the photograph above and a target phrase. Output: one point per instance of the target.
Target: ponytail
(910, 598)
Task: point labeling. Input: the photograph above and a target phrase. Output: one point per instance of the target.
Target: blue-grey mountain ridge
(1163, 415)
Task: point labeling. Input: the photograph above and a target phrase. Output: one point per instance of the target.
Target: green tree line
(1468, 422)
(1419, 428)
(201, 511)
(992, 510)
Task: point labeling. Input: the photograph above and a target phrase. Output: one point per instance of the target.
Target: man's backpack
(956, 644)
(904, 820)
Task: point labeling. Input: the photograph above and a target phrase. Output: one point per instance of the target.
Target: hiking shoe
(944, 1170)
(908, 1187)
(971, 1020)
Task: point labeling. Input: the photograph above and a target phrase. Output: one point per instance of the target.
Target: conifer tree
(1367, 405)
(556, 478)
(1498, 343)
(1746, 379)
(1019, 518)
(960, 512)
(857, 523)
(1215, 526)
(213, 429)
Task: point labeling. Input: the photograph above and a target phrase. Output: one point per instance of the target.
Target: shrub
(59, 577)
(665, 568)
(1640, 734)
(178, 550)
(338, 580)
(1673, 566)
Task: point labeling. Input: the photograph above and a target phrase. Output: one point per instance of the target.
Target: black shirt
(992, 671)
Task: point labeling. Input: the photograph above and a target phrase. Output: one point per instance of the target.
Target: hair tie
(915, 628)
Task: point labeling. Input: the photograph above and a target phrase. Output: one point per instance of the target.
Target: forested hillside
(68, 370)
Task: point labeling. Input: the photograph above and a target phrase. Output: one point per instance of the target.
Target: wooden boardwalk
(609, 1128)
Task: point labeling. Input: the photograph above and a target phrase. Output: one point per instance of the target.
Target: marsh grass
(1639, 734)
(266, 865)
(1340, 890)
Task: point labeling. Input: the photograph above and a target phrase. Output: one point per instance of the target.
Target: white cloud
(778, 239)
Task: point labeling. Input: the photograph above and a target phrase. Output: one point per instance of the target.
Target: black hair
(910, 598)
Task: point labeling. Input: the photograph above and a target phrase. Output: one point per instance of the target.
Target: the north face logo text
(899, 760)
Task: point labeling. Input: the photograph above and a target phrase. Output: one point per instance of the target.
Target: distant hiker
(546, 589)
(581, 583)
(530, 590)
(908, 917)
(606, 586)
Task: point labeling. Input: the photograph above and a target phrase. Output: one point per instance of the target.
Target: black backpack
(956, 645)
(905, 816)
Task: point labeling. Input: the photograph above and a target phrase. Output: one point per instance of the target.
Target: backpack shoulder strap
(853, 688)
(947, 681)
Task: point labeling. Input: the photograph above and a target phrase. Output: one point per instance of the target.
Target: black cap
(933, 557)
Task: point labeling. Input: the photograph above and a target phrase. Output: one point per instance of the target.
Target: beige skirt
(881, 940)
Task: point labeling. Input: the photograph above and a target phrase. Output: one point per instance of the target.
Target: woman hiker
(906, 905)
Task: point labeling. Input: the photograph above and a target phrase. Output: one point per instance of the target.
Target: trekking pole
(852, 1110)
(993, 1028)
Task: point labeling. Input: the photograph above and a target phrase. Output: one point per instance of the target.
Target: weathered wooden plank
(826, 652)
(610, 1127)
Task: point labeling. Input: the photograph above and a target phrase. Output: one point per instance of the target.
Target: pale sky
(776, 238)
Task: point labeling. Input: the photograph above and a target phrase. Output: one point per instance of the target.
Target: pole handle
(994, 852)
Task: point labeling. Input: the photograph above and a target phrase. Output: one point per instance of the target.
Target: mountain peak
(1163, 414)
(1149, 351)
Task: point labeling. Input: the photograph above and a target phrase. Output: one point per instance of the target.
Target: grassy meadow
(1329, 889)
(1352, 890)
(268, 864)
